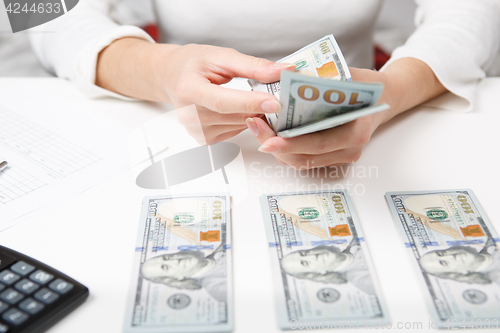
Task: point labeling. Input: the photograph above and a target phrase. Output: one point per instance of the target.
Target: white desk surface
(91, 237)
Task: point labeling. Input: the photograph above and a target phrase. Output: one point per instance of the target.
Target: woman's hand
(407, 83)
(196, 71)
(331, 147)
(187, 75)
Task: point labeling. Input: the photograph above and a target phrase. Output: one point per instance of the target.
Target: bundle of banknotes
(181, 280)
(322, 271)
(320, 93)
(454, 249)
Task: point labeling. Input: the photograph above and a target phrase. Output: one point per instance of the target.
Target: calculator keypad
(8, 278)
(15, 316)
(25, 291)
(41, 277)
(46, 296)
(11, 296)
(27, 286)
(60, 286)
(22, 268)
(31, 306)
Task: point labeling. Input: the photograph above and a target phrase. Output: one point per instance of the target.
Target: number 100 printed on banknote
(323, 275)
(182, 275)
(456, 254)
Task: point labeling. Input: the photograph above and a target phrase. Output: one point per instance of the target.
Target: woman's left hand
(331, 147)
(407, 82)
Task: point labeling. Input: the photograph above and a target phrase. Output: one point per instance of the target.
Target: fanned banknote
(319, 95)
(456, 254)
(316, 102)
(321, 58)
(181, 279)
(323, 275)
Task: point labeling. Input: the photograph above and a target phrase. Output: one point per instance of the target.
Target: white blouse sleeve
(69, 45)
(460, 41)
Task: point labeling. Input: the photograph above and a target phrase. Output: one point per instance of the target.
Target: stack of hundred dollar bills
(323, 273)
(182, 273)
(320, 93)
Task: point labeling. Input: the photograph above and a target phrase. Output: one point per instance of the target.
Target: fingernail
(252, 126)
(271, 106)
(269, 149)
(282, 65)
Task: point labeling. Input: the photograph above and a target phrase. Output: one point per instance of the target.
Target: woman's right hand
(191, 74)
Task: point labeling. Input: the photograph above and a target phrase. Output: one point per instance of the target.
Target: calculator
(34, 296)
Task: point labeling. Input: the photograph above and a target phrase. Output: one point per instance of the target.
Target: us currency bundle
(320, 94)
(181, 280)
(321, 266)
(454, 248)
(322, 271)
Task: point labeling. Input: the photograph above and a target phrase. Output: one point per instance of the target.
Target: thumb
(260, 129)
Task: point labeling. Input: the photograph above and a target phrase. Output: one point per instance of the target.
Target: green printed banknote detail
(321, 266)
(321, 58)
(455, 251)
(306, 100)
(320, 93)
(181, 279)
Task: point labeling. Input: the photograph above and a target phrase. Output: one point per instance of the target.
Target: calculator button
(26, 286)
(31, 306)
(4, 328)
(14, 316)
(22, 268)
(41, 277)
(46, 296)
(2, 287)
(11, 296)
(8, 277)
(3, 306)
(60, 286)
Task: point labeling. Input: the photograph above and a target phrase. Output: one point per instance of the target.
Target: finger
(226, 100)
(213, 133)
(260, 129)
(280, 161)
(303, 161)
(210, 118)
(322, 142)
(241, 65)
(195, 116)
(228, 135)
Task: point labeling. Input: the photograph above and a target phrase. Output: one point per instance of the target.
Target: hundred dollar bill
(181, 279)
(307, 100)
(456, 254)
(321, 58)
(322, 271)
